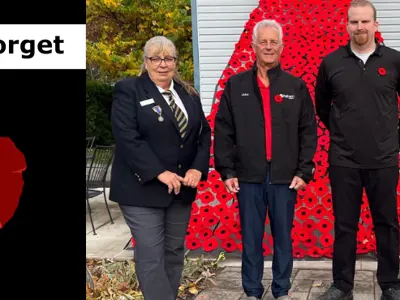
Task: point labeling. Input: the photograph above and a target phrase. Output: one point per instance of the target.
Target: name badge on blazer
(147, 102)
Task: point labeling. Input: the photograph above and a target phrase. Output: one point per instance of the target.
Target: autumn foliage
(118, 29)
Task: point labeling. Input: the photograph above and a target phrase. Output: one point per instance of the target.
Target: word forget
(28, 47)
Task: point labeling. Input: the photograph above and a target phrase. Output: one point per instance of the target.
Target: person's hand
(232, 185)
(297, 183)
(192, 178)
(172, 180)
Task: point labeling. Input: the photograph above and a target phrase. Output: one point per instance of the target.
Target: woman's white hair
(161, 44)
(267, 23)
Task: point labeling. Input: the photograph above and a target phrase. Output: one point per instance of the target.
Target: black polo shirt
(358, 103)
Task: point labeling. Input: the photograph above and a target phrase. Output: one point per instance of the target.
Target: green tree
(117, 31)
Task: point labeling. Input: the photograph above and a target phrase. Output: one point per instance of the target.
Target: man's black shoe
(335, 294)
(391, 294)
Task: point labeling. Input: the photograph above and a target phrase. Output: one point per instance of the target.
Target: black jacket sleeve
(202, 159)
(323, 95)
(137, 153)
(308, 136)
(224, 137)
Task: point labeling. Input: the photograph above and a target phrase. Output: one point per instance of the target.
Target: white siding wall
(221, 22)
(219, 25)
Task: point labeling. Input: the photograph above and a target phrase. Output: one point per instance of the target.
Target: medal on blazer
(158, 110)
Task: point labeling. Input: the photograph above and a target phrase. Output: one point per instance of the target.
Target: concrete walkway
(309, 279)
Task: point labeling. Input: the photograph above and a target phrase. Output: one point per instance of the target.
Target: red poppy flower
(192, 244)
(229, 245)
(206, 197)
(202, 186)
(222, 232)
(206, 211)
(310, 200)
(217, 186)
(210, 221)
(302, 235)
(324, 226)
(249, 65)
(328, 252)
(310, 241)
(320, 189)
(326, 240)
(366, 217)
(303, 213)
(13, 164)
(213, 175)
(194, 221)
(309, 225)
(382, 71)
(205, 233)
(234, 226)
(278, 98)
(319, 211)
(191, 232)
(266, 249)
(224, 196)
(314, 252)
(298, 252)
(210, 245)
(327, 201)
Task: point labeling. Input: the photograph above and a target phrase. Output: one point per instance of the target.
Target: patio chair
(89, 146)
(96, 176)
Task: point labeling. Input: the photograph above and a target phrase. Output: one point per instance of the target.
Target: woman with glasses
(162, 152)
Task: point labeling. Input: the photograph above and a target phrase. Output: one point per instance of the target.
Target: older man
(265, 141)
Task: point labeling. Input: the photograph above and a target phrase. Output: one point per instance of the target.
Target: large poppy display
(312, 29)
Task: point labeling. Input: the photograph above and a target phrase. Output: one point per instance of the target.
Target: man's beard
(360, 39)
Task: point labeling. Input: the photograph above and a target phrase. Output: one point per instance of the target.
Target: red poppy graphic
(13, 164)
(382, 71)
(278, 98)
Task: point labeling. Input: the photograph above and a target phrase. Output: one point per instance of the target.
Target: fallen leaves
(115, 280)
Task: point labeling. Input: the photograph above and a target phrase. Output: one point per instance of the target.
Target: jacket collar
(348, 52)
(271, 73)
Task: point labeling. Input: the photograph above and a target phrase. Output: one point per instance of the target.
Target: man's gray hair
(267, 23)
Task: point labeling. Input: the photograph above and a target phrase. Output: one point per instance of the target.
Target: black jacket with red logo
(239, 138)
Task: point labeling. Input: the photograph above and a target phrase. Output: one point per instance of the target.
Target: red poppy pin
(278, 98)
(382, 71)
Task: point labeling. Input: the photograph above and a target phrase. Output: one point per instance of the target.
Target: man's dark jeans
(254, 201)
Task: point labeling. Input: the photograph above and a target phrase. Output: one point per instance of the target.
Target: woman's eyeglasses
(156, 60)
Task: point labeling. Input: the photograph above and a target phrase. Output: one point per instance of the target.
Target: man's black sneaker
(391, 294)
(334, 293)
